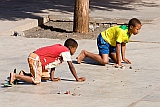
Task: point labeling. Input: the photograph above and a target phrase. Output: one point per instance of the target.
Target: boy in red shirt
(47, 58)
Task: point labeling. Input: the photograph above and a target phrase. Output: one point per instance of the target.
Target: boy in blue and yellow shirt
(112, 43)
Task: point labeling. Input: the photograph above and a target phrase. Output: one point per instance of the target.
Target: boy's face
(135, 29)
(73, 50)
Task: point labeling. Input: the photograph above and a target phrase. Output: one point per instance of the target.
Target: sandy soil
(63, 30)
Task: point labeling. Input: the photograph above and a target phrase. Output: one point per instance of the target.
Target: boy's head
(71, 44)
(134, 26)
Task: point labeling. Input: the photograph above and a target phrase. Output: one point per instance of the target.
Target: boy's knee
(36, 81)
(105, 62)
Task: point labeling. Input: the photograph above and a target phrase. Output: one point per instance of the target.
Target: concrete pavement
(105, 86)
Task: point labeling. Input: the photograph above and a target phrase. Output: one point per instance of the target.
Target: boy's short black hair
(133, 22)
(70, 42)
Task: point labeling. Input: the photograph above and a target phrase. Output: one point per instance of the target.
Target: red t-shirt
(51, 53)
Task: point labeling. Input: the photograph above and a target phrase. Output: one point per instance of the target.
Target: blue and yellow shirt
(116, 34)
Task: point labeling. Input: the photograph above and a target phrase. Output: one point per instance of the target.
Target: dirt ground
(63, 30)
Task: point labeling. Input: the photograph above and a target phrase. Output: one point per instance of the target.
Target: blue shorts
(104, 47)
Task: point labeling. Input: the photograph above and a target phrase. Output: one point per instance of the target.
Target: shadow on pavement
(20, 9)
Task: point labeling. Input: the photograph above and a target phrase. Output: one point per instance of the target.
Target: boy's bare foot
(56, 79)
(81, 56)
(21, 72)
(81, 79)
(12, 78)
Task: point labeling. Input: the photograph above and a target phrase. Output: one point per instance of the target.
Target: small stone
(74, 94)
(117, 66)
(59, 92)
(130, 67)
(122, 67)
(59, 34)
(67, 92)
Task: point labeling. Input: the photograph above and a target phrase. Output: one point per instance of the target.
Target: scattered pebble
(130, 67)
(59, 34)
(59, 92)
(74, 94)
(116, 66)
(67, 92)
(122, 67)
(93, 80)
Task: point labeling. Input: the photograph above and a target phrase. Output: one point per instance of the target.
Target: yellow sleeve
(119, 36)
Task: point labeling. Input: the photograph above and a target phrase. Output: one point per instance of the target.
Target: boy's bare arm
(118, 50)
(52, 75)
(73, 71)
(123, 49)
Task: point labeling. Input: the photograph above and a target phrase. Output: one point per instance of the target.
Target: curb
(9, 27)
(26, 24)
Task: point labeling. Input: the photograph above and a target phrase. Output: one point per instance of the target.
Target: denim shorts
(104, 47)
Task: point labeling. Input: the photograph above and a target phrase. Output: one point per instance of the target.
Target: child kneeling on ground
(112, 43)
(47, 58)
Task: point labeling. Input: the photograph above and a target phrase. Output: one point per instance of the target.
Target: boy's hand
(118, 65)
(126, 61)
(55, 79)
(81, 79)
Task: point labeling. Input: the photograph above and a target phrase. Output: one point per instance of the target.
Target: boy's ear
(70, 47)
(131, 27)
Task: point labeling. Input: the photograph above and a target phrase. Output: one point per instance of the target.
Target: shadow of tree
(109, 5)
(19, 9)
(54, 29)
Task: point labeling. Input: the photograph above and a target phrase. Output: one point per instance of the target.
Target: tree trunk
(81, 16)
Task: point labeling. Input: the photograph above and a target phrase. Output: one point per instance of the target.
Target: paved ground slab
(105, 85)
